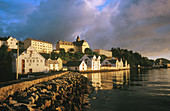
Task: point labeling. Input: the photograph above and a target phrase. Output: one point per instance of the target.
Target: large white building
(93, 62)
(9, 41)
(30, 61)
(107, 53)
(40, 46)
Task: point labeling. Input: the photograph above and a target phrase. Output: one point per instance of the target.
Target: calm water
(133, 90)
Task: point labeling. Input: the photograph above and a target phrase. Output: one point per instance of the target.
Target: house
(103, 52)
(118, 64)
(60, 63)
(52, 64)
(40, 46)
(29, 61)
(76, 65)
(93, 62)
(111, 62)
(76, 46)
(9, 41)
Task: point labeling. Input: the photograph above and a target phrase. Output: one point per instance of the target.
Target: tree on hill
(134, 58)
(88, 51)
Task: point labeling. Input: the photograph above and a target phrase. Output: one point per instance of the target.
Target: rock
(47, 103)
(33, 89)
(12, 102)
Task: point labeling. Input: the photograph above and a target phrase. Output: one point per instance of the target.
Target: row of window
(34, 60)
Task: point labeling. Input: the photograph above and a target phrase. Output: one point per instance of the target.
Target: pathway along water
(133, 90)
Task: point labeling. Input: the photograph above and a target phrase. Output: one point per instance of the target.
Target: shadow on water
(129, 90)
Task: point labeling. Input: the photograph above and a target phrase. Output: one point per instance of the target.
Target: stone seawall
(65, 93)
(22, 85)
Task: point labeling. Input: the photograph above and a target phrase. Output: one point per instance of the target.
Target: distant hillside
(164, 61)
(133, 58)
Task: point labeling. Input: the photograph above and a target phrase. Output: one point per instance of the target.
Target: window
(33, 60)
(37, 60)
(37, 64)
(41, 60)
(27, 60)
(11, 42)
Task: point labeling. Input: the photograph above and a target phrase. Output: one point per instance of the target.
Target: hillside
(133, 58)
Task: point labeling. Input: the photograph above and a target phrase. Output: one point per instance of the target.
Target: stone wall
(65, 93)
(11, 89)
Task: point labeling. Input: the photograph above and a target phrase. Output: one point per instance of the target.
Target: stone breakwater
(65, 93)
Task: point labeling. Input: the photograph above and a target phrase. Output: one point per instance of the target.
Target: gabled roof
(113, 61)
(4, 38)
(52, 61)
(90, 57)
(73, 63)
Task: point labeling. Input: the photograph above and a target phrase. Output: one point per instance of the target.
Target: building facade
(76, 46)
(40, 46)
(103, 52)
(29, 61)
(52, 64)
(76, 65)
(116, 63)
(92, 62)
(9, 41)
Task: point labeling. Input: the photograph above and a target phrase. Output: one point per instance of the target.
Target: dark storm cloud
(140, 25)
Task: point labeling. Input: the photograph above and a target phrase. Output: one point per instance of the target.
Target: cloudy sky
(138, 25)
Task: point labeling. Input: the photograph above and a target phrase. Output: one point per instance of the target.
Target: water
(130, 90)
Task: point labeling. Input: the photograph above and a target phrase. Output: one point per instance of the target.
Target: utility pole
(50, 59)
(17, 60)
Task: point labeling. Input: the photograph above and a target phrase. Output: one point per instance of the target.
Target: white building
(107, 53)
(112, 62)
(52, 64)
(118, 64)
(9, 41)
(30, 61)
(40, 46)
(93, 62)
(76, 65)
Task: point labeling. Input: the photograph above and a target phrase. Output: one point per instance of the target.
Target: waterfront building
(93, 62)
(40, 46)
(116, 63)
(29, 61)
(112, 63)
(103, 52)
(52, 64)
(76, 46)
(76, 65)
(9, 41)
(168, 65)
(60, 63)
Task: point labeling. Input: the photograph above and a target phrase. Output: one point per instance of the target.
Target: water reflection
(109, 80)
(130, 90)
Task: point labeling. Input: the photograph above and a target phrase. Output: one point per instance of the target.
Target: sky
(138, 25)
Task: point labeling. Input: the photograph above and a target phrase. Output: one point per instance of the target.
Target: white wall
(33, 61)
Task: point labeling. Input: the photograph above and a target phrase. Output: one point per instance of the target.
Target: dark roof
(112, 61)
(90, 57)
(4, 38)
(79, 43)
(73, 63)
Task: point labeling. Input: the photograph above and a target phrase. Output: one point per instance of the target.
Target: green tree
(88, 51)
